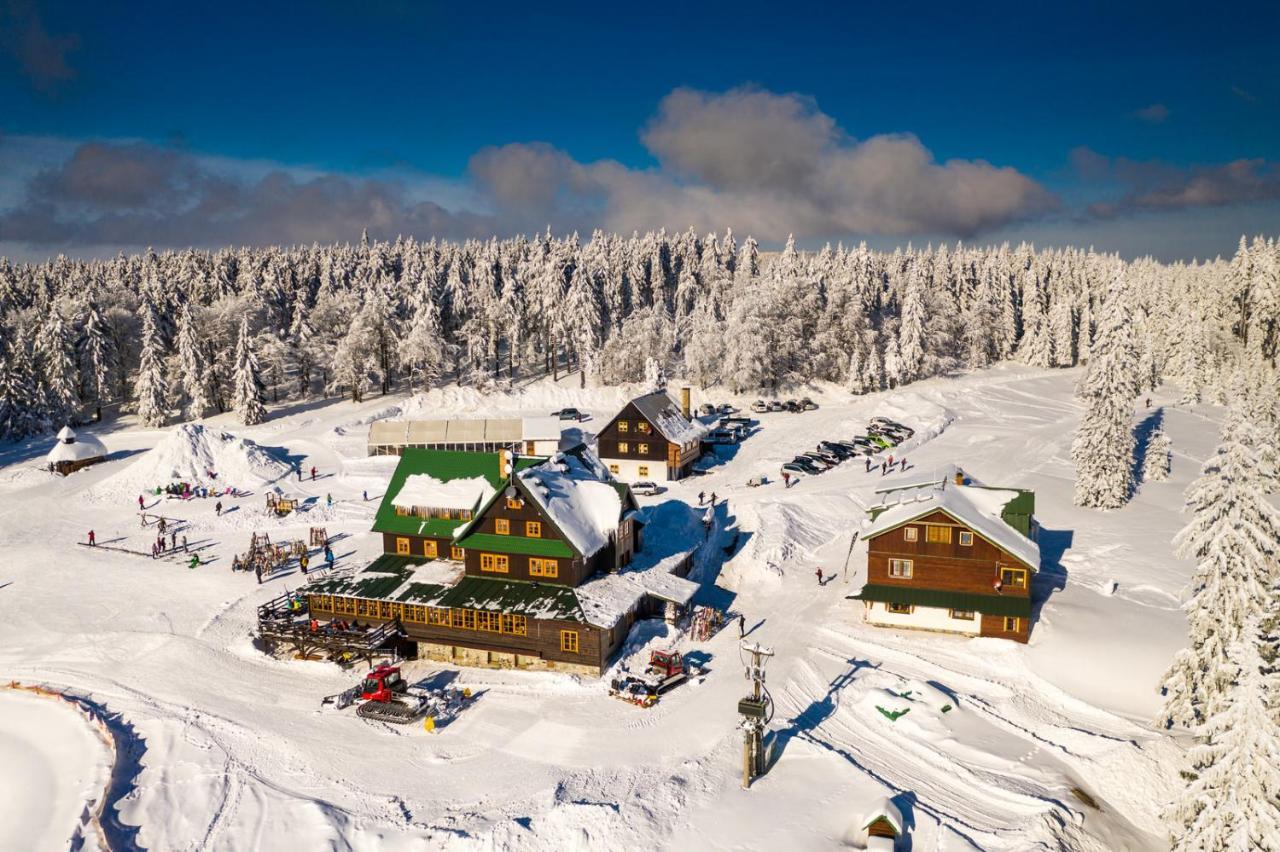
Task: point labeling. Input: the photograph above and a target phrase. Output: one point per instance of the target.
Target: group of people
(702, 497)
(887, 465)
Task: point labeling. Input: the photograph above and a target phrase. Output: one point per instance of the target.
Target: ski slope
(236, 754)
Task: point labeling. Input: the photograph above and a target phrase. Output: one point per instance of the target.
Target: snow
(235, 754)
(569, 490)
(883, 808)
(977, 507)
(53, 767)
(423, 489)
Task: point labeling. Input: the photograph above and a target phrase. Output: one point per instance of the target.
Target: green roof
(491, 543)
(376, 580)
(444, 465)
(985, 604)
(517, 597)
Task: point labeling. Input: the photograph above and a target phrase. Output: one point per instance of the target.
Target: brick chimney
(684, 402)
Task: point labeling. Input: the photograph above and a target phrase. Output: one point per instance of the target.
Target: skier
(93, 540)
(195, 560)
(328, 557)
(328, 500)
(902, 462)
(868, 461)
(819, 572)
(217, 507)
(890, 459)
(302, 563)
(297, 468)
(365, 494)
(313, 473)
(742, 626)
(162, 526)
(153, 550)
(713, 498)
(173, 540)
(884, 468)
(142, 504)
(701, 497)
(786, 481)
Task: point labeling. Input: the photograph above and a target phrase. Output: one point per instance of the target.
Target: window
(966, 538)
(401, 511)
(644, 470)
(1014, 578)
(569, 641)
(910, 533)
(642, 449)
(456, 553)
(515, 503)
(495, 563)
(623, 426)
(429, 548)
(901, 568)
(962, 614)
(438, 615)
(624, 447)
(643, 427)
(543, 567)
(402, 546)
(900, 609)
(533, 529)
(1011, 624)
(502, 526)
(935, 534)
(464, 618)
(613, 468)
(514, 624)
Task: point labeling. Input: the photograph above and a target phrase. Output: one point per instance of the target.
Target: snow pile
(786, 531)
(189, 453)
(423, 489)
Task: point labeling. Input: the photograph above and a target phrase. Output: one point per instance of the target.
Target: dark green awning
(939, 599)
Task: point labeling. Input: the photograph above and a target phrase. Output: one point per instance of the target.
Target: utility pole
(756, 711)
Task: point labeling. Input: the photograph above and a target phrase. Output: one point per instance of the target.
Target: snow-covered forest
(179, 335)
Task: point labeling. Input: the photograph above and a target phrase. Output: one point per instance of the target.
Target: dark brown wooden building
(952, 556)
(651, 439)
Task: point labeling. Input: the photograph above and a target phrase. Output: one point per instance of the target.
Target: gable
(935, 515)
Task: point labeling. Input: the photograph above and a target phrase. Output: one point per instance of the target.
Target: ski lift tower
(756, 711)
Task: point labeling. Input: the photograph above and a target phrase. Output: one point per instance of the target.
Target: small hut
(73, 452)
(883, 824)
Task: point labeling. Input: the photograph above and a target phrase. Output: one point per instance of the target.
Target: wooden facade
(941, 554)
(634, 438)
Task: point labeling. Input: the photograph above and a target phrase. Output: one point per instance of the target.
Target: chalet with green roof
(498, 563)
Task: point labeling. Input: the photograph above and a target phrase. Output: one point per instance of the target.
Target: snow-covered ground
(1047, 746)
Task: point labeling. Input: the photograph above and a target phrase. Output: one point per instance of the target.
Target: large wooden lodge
(495, 560)
(952, 556)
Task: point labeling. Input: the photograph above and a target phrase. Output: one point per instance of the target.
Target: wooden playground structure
(266, 557)
(281, 506)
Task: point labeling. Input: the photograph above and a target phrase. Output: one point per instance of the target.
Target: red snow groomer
(388, 697)
(666, 669)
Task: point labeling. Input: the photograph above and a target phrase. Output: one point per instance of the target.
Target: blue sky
(1152, 128)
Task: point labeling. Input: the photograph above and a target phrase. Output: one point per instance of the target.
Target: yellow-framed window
(515, 503)
(456, 553)
(642, 449)
(623, 426)
(1012, 624)
(643, 470)
(643, 427)
(910, 533)
(937, 534)
(429, 548)
(464, 618)
(402, 546)
(502, 526)
(438, 616)
(401, 511)
(519, 626)
(614, 469)
(482, 620)
(533, 529)
(494, 563)
(1014, 578)
(624, 447)
(569, 641)
(543, 567)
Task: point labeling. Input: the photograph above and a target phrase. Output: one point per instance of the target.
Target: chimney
(503, 468)
(959, 476)
(684, 402)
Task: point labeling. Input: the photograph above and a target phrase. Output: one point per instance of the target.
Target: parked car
(706, 409)
(725, 408)
(866, 449)
(569, 414)
(838, 450)
(797, 469)
(775, 405)
(720, 436)
(815, 460)
(885, 424)
(645, 487)
(891, 432)
(793, 406)
(737, 421)
(829, 458)
(759, 406)
(883, 441)
(808, 404)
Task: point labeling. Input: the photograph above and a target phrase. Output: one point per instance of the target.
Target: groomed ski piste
(1046, 746)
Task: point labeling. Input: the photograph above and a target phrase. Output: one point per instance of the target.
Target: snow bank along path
(54, 766)
(237, 755)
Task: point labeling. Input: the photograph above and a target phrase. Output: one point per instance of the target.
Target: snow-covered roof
(541, 428)
(463, 431)
(882, 807)
(607, 598)
(423, 489)
(979, 508)
(664, 413)
(73, 447)
(569, 488)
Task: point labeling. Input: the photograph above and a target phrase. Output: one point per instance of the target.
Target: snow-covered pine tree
(1158, 456)
(55, 348)
(911, 332)
(247, 389)
(1234, 536)
(422, 351)
(150, 387)
(1232, 801)
(98, 353)
(1103, 446)
(193, 371)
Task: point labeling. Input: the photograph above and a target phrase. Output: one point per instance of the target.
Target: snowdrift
(189, 453)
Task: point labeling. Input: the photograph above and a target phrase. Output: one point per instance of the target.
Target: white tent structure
(73, 452)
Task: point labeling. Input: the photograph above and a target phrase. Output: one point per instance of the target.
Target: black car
(568, 414)
(840, 451)
(808, 464)
(793, 406)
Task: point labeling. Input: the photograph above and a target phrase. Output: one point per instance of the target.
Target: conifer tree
(247, 394)
(99, 357)
(1158, 457)
(193, 371)
(56, 351)
(150, 387)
